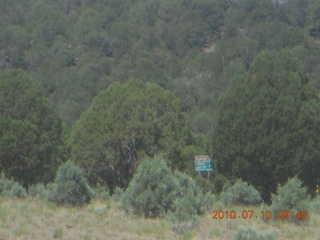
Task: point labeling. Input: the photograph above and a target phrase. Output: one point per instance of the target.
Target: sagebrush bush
(17, 191)
(188, 204)
(38, 191)
(290, 197)
(118, 194)
(10, 188)
(152, 189)
(155, 191)
(253, 234)
(182, 226)
(240, 193)
(209, 201)
(102, 192)
(70, 187)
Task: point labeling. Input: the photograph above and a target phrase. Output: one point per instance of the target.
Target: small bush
(187, 205)
(70, 187)
(17, 191)
(102, 192)
(240, 193)
(182, 227)
(118, 194)
(253, 234)
(5, 184)
(152, 189)
(155, 192)
(189, 198)
(209, 201)
(38, 191)
(290, 197)
(10, 188)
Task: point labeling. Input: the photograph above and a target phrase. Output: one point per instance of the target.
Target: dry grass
(35, 219)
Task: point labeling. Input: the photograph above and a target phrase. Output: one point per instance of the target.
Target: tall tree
(126, 123)
(267, 125)
(31, 134)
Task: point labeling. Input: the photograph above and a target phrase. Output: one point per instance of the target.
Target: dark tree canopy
(126, 123)
(31, 134)
(267, 124)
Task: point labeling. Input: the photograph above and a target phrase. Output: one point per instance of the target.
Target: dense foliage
(70, 187)
(31, 134)
(155, 190)
(77, 48)
(38, 190)
(240, 194)
(194, 48)
(10, 188)
(125, 123)
(152, 190)
(291, 198)
(262, 120)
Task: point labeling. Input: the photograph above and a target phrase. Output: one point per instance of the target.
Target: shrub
(10, 188)
(102, 192)
(155, 191)
(189, 197)
(38, 191)
(253, 234)
(5, 185)
(241, 193)
(70, 187)
(17, 191)
(152, 190)
(290, 197)
(179, 226)
(187, 205)
(118, 194)
(209, 201)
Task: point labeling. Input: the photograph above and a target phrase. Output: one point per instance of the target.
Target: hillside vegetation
(103, 98)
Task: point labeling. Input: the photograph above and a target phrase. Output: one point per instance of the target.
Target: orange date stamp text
(250, 214)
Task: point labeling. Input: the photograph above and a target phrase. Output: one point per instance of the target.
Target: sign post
(203, 163)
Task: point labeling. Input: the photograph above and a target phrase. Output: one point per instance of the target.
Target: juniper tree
(267, 124)
(125, 123)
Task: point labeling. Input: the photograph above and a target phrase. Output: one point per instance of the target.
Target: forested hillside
(196, 64)
(76, 48)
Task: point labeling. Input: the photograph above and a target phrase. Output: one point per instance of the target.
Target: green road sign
(203, 163)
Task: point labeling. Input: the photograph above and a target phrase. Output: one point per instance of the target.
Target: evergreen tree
(125, 123)
(31, 135)
(267, 125)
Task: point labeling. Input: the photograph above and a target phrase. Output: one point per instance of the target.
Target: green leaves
(70, 187)
(241, 193)
(261, 132)
(293, 198)
(155, 191)
(124, 124)
(31, 135)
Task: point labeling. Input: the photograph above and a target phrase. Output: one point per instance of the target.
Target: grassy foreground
(35, 219)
